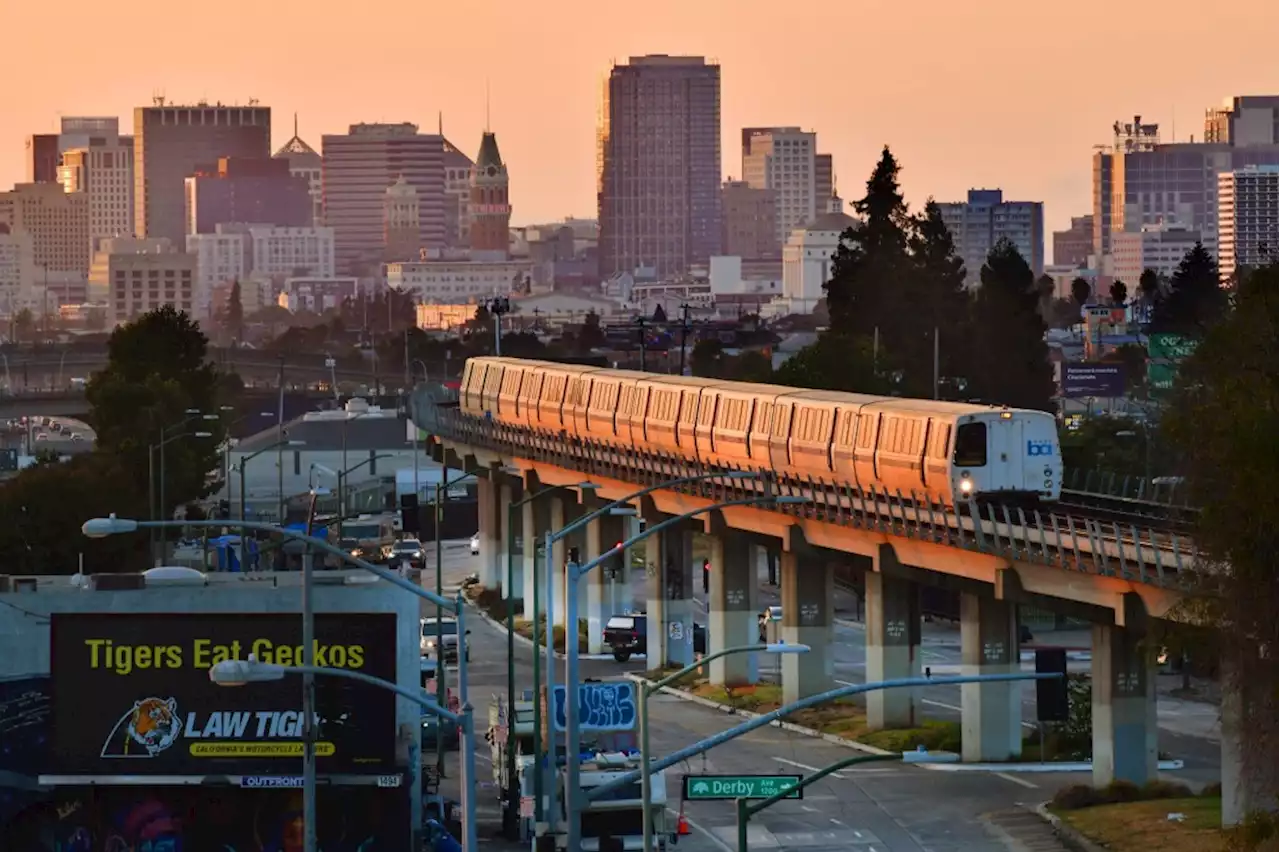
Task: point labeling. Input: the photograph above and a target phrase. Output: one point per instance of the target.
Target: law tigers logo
(146, 730)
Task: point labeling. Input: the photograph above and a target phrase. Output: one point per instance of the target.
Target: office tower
(983, 220)
(457, 191)
(785, 160)
(401, 226)
(1073, 246)
(358, 168)
(135, 276)
(221, 257)
(103, 171)
(305, 163)
(1159, 248)
(1248, 226)
(57, 221)
(17, 269)
(489, 207)
(659, 165)
(171, 141)
(259, 191)
(292, 252)
(42, 158)
(750, 223)
(1244, 120)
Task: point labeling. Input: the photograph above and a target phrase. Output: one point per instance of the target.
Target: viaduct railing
(1061, 539)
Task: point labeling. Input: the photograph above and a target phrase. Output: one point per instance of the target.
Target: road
(885, 809)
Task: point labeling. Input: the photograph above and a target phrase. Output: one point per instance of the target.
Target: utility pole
(935, 362)
(640, 320)
(280, 443)
(498, 306)
(684, 333)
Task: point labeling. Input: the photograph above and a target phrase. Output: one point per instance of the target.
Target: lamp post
(151, 478)
(102, 527)
(346, 419)
(573, 573)
(244, 527)
(342, 478)
(549, 634)
(513, 793)
(647, 689)
(157, 509)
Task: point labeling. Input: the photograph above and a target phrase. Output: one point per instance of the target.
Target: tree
(704, 360)
(1063, 313)
(234, 317)
(591, 335)
(156, 373)
(1111, 444)
(939, 300)
(659, 314)
(24, 324)
(45, 505)
(856, 369)
(871, 263)
(752, 366)
(1081, 291)
(1010, 357)
(1195, 300)
(1119, 292)
(1149, 285)
(1222, 424)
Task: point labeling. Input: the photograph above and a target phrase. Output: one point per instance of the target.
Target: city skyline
(543, 100)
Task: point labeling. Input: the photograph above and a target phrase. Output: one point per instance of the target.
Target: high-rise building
(457, 191)
(358, 168)
(57, 221)
(749, 217)
(17, 269)
(305, 163)
(292, 252)
(824, 182)
(134, 276)
(1248, 225)
(400, 223)
(221, 257)
(490, 206)
(785, 159)
(1244, 120)
(1073, 246)
(1159, 248)
(260, 191)
(103, 171)
(659, 165)
(42, 158)
(983, 220)
(169, 143)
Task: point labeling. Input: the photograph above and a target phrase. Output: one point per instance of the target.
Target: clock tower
(489, 208)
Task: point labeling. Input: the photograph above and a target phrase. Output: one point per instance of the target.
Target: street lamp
(240, 467)
(513, 794)
(191, 414)
(342, 479)
(573, 572)
(347, 417)
(549, 634)
(103, 527)
(151, 476)
(647, 689)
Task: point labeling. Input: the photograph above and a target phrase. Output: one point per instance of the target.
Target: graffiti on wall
(193, 819)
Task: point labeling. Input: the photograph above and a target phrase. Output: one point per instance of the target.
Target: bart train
(941, 451)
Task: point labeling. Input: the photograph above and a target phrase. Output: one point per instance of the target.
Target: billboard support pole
(308, 707)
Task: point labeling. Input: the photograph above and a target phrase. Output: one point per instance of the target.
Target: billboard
(1092, 380)
(132, 695)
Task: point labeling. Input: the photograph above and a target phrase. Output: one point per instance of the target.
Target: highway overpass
(72, 403)
(1118, 577)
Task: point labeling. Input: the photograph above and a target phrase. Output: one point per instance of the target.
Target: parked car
(447, 634)
(627, 634)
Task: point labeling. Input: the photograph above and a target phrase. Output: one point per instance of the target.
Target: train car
(633, 405)
(729, 437)
(824, 436)
(604, 420)
(672, 413)
(511, 407)
(563, 394)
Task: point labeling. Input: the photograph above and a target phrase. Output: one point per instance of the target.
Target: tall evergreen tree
(1149, 285)
(1119, 292)
(870, 265)
(235, 313)
(1010, 356)
(936, 301)
(1081, 291)
(1195, 301)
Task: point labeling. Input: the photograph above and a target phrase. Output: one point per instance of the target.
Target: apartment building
(135, 276)
(1248, 224)
(985, 219)
(57, 221)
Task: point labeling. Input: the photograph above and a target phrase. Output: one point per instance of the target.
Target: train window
(866, 430)
(971, 445)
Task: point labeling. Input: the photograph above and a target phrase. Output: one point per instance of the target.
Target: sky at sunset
(985, 93)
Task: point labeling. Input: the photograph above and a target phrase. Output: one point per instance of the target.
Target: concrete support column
(1124, 708)
(555, 560)
(656, 605)
(505, 533)
(534, 521)
(488, 509)
(893, 649)
(732, 605)
(808, 593)
(602, 534)
(670, 638)
(1248, 761)
(991, 713)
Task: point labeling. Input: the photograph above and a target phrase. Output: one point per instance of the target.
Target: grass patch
(1145, 825)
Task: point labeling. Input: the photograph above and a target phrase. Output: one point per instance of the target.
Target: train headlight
(966, 486)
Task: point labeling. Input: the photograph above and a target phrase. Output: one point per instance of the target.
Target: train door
(1041, 457)
(1004, 453)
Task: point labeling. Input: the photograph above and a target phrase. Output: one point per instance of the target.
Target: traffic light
(616, 566)
(409, 513)
(706, 576)
(1052, 703)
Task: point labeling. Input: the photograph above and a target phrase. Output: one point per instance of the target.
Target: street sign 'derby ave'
(721, 787)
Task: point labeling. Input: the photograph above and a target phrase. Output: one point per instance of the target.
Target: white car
(475, 544)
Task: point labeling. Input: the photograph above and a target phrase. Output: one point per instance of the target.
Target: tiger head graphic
(149, 728)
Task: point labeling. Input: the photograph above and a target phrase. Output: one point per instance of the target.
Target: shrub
(1119, 791)
(1165, 790)
(1212, 791)
(1257, 832)
(1075, 797)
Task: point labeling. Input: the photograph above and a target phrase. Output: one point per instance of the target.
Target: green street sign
(713, 788)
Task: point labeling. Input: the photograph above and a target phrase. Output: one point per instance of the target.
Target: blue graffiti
(601, 706)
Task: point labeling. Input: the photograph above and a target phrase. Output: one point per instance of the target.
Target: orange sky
(1005, 93)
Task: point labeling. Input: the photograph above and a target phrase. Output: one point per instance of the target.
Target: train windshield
(971, 445)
